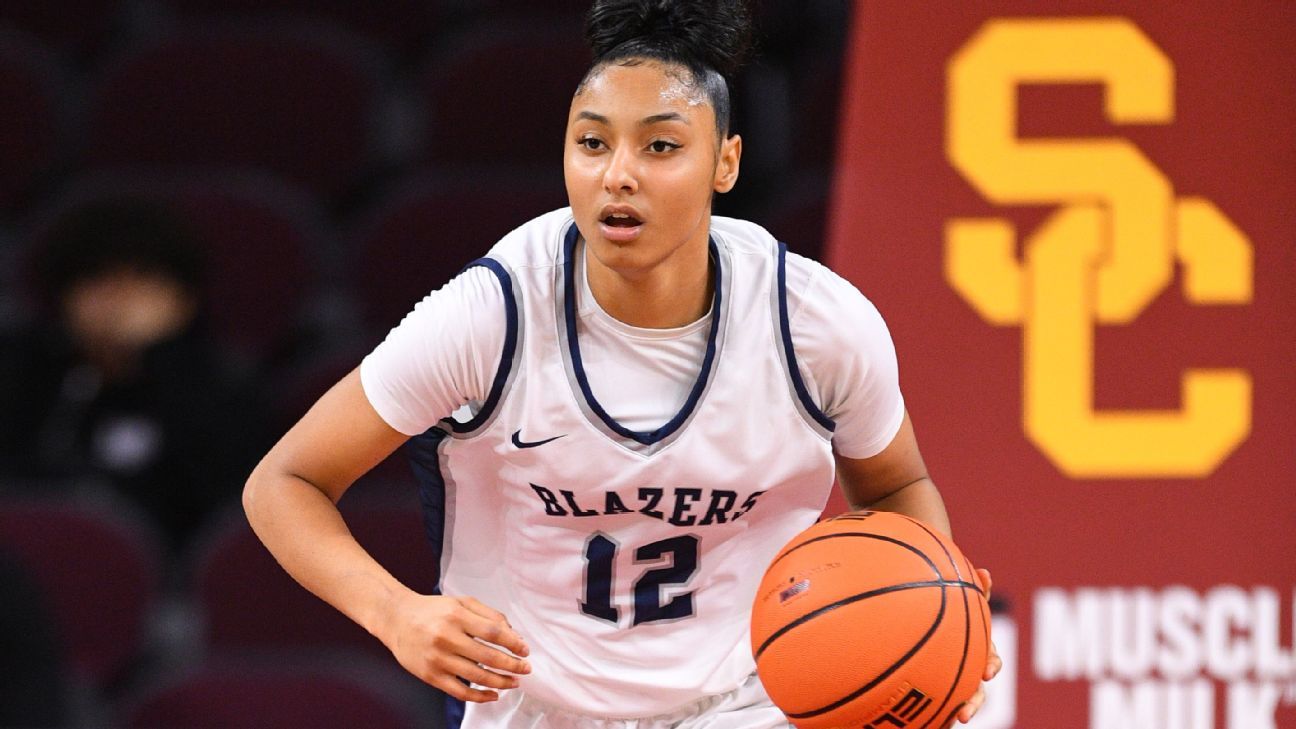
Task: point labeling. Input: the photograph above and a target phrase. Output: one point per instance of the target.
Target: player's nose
(620, 175)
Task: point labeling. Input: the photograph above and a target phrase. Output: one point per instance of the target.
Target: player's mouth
(620, 223)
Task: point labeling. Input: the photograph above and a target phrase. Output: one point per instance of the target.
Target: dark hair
(710, 38)
(108, 235)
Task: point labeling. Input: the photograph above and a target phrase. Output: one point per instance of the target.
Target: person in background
(118, 382)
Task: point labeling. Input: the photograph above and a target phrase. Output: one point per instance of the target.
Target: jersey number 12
(600, 555)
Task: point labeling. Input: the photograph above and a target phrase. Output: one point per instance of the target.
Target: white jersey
(628, 560)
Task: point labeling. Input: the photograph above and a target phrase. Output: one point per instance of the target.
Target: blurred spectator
(119, 382)
(33, 685)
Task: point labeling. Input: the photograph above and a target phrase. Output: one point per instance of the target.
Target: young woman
(651, 401)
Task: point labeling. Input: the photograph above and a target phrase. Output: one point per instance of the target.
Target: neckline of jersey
(590, 310)
(647, 438)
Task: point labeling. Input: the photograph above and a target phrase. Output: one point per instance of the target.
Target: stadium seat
(279, 692)
(53, 22)
(800, 218)
(425, 231)
(296, 388)
(99, 566)
(816, 87)
(402, 25)
(501, 95)
(261, 238)
(556, 9)
(31, 93)
(251, 606)
(299, 103)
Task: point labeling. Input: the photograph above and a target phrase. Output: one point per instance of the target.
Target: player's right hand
(444, 639)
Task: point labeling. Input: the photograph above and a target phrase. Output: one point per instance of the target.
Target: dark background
(336, 161)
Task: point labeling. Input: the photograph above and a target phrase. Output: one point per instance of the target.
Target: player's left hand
(993, 664)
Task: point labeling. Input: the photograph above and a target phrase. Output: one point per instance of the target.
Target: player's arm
(290, 500)
(895, 479)
(847, 353)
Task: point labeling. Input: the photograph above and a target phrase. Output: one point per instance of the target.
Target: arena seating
(76, 34)
(490, 95)
(800, 218)
(32, 94)
(402, 25)
(299, 103)
(232, 694)
(431, 225)
(339, 161)
(250, 605)
(100, 569)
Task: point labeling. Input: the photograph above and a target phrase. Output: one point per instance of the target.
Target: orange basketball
(871, 619)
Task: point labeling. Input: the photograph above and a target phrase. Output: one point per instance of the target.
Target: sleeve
(845, 354)
(441, 356)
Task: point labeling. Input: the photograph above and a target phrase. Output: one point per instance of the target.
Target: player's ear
(727, 162)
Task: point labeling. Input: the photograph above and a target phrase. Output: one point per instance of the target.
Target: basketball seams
(899, 532)
(940, 581)
(958, 675)
(940, 616)
(967, 627)
(817, 612)
(949, 719)
(866, 535)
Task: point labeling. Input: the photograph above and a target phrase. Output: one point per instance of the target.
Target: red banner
(1077, 218)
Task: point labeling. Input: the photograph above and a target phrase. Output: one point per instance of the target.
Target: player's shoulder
(816, 292)
(535, 243)
(743, 236)
(806, 280)
(810, 279)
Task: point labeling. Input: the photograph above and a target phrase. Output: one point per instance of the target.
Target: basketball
(870, 619)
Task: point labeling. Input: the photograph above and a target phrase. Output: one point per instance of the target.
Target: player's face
(642, 159)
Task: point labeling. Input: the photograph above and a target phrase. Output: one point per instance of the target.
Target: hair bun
(714, 33)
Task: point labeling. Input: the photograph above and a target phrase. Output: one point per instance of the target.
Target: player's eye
(591, 143)
(661, 145)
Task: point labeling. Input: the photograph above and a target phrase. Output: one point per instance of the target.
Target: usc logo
(1107, 251)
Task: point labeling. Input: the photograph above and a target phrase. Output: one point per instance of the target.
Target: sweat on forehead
(694, 88)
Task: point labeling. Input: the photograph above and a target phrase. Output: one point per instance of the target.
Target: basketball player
(651, 401)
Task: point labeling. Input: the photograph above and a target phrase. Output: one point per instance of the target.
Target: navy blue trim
(422, 451)
(454, 712)
(785, 329)
(510, 347)
(578, 367)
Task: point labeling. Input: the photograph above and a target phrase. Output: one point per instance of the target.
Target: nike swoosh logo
(517, 441)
